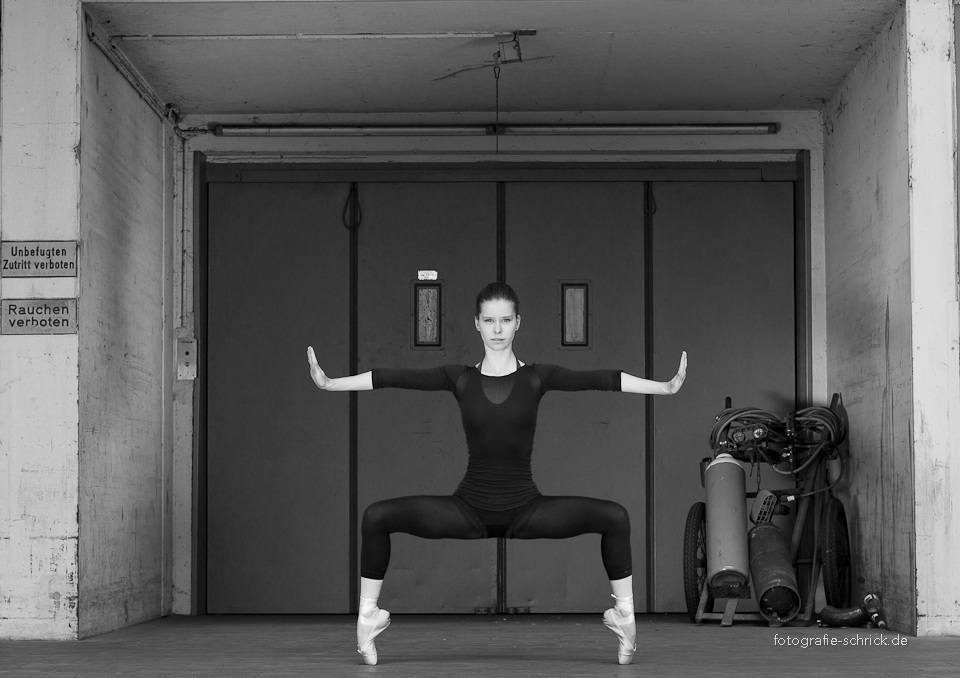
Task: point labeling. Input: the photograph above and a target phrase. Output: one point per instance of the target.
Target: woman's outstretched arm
(358, 382)
(632, 384)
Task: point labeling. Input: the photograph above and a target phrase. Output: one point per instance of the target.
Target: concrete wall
(932, 106)
(891, 267)
(868, 314)
(123, 202)
(39, 193)
(91, 410)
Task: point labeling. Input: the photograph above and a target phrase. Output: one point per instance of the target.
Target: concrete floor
(527, 645)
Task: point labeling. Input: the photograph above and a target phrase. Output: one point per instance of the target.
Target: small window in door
(575, 314)
(427, 315)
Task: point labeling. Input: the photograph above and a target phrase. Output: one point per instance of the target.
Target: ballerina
(497, 497)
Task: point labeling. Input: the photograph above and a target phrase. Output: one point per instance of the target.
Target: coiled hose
(816, 430)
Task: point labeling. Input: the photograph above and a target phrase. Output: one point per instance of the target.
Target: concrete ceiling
(587, 55)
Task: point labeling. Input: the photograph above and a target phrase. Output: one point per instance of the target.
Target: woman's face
(497, 324)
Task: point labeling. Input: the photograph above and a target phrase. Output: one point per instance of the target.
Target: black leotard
(497, 497)
(499, 417)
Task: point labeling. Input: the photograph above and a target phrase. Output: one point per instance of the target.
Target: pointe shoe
(369, 628)
(626, 632)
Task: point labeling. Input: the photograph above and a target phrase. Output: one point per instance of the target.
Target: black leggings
(433, 517)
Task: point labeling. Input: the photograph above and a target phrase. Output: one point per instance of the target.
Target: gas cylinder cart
(722, 557)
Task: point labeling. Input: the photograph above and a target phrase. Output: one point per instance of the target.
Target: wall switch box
(186, 358)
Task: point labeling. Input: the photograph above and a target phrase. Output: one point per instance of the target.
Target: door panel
(277, 448)
(588, 444)
(412, 442)
(278, 485)
(723, 267)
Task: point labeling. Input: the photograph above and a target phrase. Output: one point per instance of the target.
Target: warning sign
(38, 316)
(38, 259)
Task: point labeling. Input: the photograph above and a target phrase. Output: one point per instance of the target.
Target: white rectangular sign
(38, 259)
(38, 316)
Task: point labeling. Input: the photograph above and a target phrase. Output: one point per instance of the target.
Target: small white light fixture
(509, 52)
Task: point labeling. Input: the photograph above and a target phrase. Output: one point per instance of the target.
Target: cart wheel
(835, 551)
(695, 559)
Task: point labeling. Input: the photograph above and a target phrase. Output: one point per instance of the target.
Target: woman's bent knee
(374, 516)
(618, 516)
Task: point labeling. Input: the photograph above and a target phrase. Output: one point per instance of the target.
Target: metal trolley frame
(812, 453)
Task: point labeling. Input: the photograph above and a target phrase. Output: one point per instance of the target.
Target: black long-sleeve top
(499, 417)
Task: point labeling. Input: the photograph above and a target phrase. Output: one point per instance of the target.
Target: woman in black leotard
(497, 497)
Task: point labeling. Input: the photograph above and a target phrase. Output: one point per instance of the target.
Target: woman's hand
(358, 382)
(317, 374)
(674, 384)
(632, 384)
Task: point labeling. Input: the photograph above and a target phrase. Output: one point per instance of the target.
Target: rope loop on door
(496, 84)
(650, 204)
(352, 214)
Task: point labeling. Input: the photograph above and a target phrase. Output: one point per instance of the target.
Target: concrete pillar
(39, 375)
(932, 147)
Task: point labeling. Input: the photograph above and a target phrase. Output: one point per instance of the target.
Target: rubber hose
(847, 616)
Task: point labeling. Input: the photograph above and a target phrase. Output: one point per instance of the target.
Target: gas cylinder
(774, 581)
(728, 562)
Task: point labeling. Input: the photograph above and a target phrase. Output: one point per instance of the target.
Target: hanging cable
(352, 214)
(496, 80)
